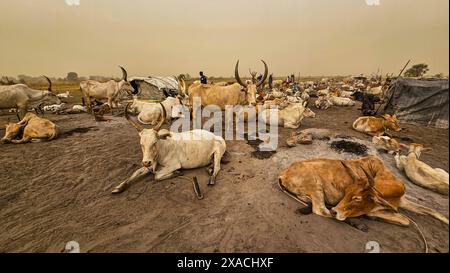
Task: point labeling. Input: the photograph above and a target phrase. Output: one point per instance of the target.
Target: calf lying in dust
(421, 173)
(33, 127)
(308, 135)
(386, 143)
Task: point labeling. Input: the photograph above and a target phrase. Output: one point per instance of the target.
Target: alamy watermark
(261, 123)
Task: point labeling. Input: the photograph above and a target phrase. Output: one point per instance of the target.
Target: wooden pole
(406, 65)
(392, 95)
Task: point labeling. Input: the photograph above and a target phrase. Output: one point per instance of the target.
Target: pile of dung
(258, 153)
(349, 147)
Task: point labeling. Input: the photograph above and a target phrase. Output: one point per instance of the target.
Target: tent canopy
(154, 87)
(419, 101)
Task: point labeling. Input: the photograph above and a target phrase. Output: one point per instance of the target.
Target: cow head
(309, 113)
(361, 197)
(391, 122)
(417, 149)
(149, 138)
(250, 88)
(13, 130)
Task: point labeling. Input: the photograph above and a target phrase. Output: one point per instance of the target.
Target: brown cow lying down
(376, 126)
(353, 187)
(33, 128)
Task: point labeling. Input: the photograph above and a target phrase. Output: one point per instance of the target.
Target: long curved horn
(266, 73)
(237, 77)
(49, 83)
(353, 175)
(163, 118)
(124, 73)
(181, 85)
(369, 177)
(132, 122)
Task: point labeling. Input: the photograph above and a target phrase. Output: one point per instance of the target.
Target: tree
(417, 70)
(72, 76)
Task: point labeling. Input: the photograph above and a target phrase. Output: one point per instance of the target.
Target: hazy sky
(167, 37)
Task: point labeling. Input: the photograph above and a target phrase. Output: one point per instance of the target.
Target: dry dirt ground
(55, 192)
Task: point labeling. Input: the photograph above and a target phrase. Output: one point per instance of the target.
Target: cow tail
(420, 232)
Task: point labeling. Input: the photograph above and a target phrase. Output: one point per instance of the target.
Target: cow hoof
(212, 181)
(210, 171)
(118, 190)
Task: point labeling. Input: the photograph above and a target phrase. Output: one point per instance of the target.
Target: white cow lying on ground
(289, 117)
(55, 107)
(150, 114)
(338, 101)
(64, 95)
(421, 173)
(164, 152)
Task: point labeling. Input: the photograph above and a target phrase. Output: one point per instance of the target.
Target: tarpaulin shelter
(154, 87)
(419, 101)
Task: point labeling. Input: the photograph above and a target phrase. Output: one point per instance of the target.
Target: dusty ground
(56, 192)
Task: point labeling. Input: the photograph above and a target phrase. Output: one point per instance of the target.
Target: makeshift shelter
(154, 88)
(419, 101)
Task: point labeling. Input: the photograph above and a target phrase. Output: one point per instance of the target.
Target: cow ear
(163, 134)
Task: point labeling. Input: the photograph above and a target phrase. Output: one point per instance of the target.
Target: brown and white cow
(33, 127)
(376, 126)
(353, 188)
(386, 143)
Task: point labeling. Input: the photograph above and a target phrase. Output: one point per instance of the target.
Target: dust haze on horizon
(169, 37)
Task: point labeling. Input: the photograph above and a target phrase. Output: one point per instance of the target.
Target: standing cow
(22, 97)
(104, 90)
(239, 93)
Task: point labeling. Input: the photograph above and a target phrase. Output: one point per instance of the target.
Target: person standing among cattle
(203, 78)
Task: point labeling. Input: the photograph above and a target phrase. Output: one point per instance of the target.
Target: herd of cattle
(337, 189)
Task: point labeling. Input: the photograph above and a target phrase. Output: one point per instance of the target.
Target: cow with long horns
(165, 152)
(21, 96)
(240, 93)
(104, 90)
(352, 188)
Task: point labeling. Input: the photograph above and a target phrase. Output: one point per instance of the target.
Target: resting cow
(164, 152)
(353, 187)
(375, 126)
(338, 101)
(289, 117)
(386, 143)
(33, 127)
(421, 173)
